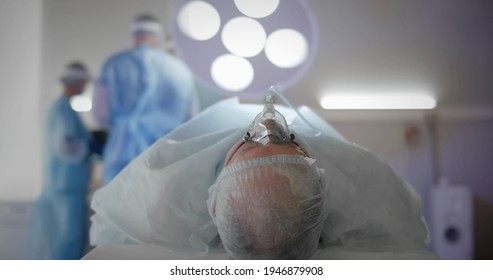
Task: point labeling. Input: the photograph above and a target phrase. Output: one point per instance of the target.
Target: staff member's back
(143, 93)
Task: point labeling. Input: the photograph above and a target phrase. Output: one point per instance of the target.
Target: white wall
(20, 57)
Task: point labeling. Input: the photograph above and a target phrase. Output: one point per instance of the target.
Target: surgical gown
(161, 198)
(59, 225)
(142, 94)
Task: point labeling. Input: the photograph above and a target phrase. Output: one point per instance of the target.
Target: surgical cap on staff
(75, 72)
(146, 25)
(161, 197)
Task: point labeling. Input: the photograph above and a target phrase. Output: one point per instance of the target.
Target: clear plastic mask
(270, 125)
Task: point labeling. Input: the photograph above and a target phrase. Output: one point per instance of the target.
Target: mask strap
(273, 90)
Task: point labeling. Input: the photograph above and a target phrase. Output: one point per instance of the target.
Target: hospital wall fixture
(452, 221)
(242, 47)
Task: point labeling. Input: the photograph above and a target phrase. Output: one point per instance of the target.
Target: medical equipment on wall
(452, 221)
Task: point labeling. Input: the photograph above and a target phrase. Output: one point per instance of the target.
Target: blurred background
(436, 49)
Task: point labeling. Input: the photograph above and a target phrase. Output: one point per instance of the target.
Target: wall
(14, 229)
(20, 47)
(465, 157)
(465, 151)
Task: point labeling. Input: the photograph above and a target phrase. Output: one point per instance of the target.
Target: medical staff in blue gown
(59, 226)
(142, 94)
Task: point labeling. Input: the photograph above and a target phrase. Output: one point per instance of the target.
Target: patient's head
(268, 202)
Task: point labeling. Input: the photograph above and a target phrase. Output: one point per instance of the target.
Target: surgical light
(257, 8)
(282, 56)
(384, 101)
(243, 36)
(232, 72)
(272, 42)
(199, 20)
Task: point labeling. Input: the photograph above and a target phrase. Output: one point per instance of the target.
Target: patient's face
(243, 150)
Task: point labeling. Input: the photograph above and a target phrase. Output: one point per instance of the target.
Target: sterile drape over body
(161, 198)
(143, 94)
(59, 228)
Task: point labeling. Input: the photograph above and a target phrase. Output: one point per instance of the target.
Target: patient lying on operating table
(259, 190)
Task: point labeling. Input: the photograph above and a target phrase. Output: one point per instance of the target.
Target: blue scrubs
(59, 226)
(149, 93)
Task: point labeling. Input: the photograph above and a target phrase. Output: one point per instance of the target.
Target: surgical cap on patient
(269, 208)
(160, 198)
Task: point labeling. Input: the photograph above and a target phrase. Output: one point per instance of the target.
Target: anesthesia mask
(269, 126)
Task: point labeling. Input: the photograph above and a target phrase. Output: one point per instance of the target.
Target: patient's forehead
(242, 151)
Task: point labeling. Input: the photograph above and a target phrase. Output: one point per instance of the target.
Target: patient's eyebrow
(231, 154)
(245, 149)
